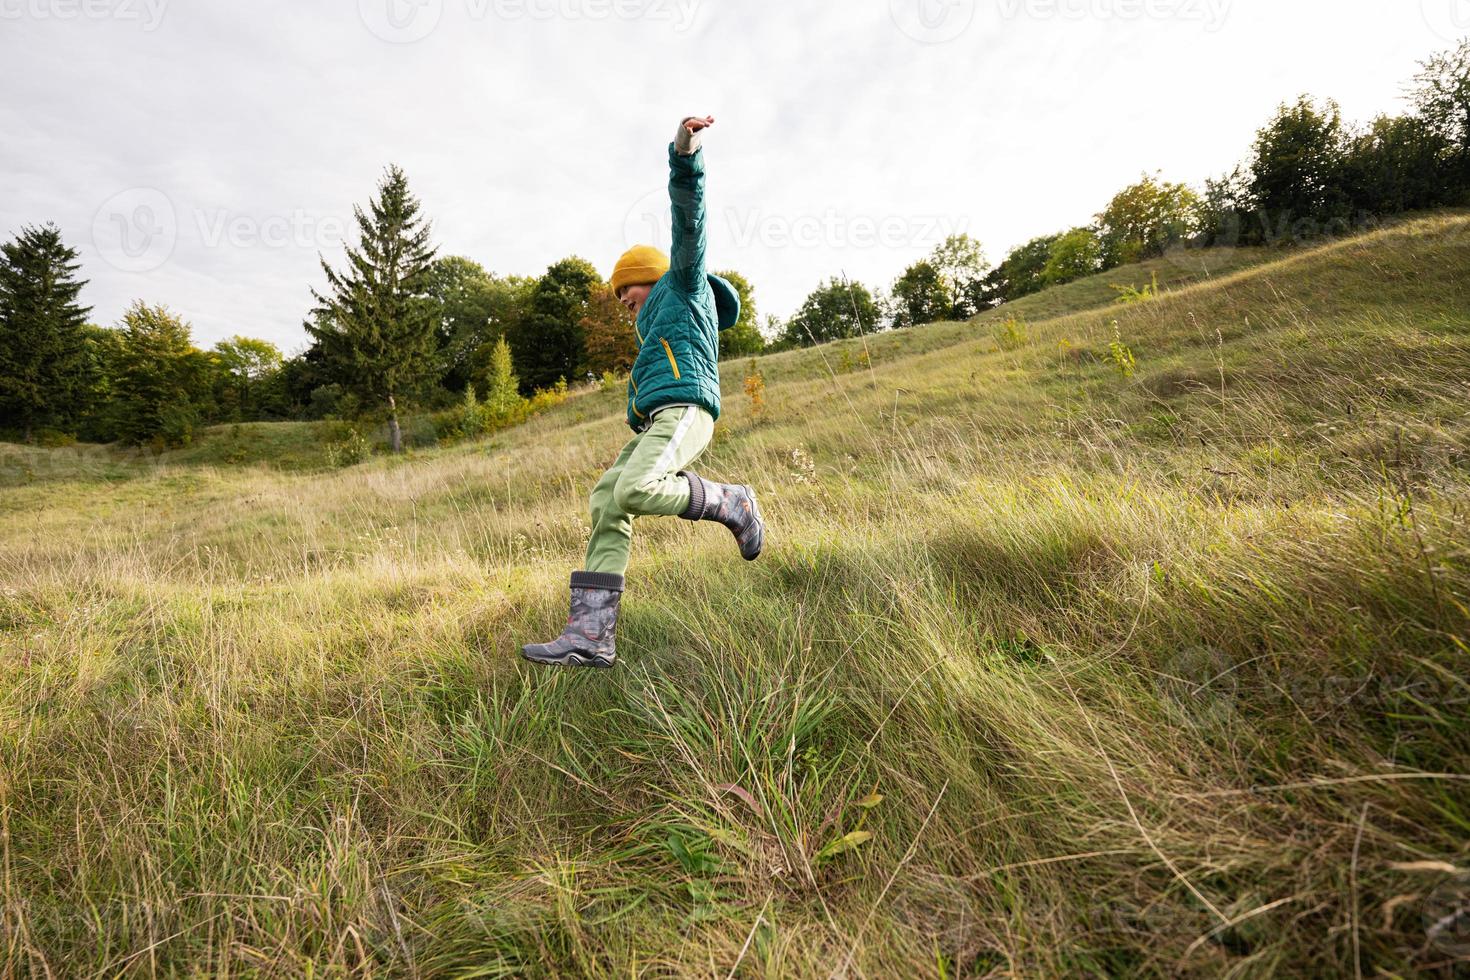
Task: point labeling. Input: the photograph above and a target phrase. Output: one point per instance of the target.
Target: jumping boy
(673, 401)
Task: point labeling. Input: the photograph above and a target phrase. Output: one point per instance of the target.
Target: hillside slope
(1130, 640)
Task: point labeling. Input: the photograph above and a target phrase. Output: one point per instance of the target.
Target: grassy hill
(1121, 639)
(305, 445)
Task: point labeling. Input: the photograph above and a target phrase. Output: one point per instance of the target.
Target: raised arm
(686, 196)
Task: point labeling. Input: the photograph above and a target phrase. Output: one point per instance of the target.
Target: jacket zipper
(670, 351)
(634, 401)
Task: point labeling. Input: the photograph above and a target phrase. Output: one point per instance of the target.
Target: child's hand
(686, 139)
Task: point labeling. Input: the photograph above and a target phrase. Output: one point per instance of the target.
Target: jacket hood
(727, 302)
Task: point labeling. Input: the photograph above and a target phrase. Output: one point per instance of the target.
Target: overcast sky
(200, 153)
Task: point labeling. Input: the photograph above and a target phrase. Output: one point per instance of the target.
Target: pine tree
(377, 326)
(42, 345)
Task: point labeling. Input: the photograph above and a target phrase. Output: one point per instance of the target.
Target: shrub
(1130, 294)
(1119, 355)
(1010, 334)
(333, 401)
(470, 419)
(54, 439)
(847, 362)
(755, 390)
(349, 451)
(543, 399)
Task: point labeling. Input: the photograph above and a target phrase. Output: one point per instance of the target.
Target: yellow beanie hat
(639, 264)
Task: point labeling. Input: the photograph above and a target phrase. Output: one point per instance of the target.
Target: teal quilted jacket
(679, 324)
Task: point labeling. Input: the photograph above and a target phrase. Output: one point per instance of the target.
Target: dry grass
(1151, 675)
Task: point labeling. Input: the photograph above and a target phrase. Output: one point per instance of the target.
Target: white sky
(200, 153)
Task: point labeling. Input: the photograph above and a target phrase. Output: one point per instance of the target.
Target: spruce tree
(43, 363)
(376, 324)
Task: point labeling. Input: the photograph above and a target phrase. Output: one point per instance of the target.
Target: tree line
(1308, 175)
(398, 325)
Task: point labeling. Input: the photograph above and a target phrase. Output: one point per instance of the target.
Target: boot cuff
(597, 580)
(695, 510)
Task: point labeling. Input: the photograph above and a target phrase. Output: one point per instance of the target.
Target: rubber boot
(590, 637)
(731, 505)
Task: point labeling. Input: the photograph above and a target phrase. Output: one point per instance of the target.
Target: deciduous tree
(160, 389)
(547, 341)
(607, 332)
(960, 262)
(831, 312)
(247, 364)
(920, 295)
(1076, 254)
(744, 338)
(1296, 173)
(1144, 219)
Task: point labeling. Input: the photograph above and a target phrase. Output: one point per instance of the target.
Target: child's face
(633, 296)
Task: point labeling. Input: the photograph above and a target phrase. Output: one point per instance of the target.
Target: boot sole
(572, 659)
(755, 508)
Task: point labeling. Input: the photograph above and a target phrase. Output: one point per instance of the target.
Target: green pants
(642, 482)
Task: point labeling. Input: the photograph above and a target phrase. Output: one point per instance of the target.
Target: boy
(673, 401)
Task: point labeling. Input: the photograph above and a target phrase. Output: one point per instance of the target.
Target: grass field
(1110, 640)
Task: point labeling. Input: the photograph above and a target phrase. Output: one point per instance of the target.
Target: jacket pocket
(672, 362)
